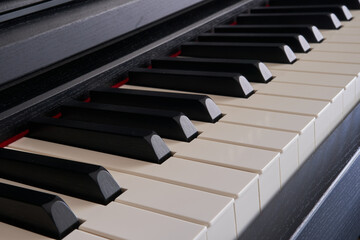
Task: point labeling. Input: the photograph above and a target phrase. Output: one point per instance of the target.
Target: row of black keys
(74, 129)
(85, 124)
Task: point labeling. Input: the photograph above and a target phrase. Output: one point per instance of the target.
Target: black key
(352, 4)
(295, 41)
(81, 180)
(35, 211)
(320, 20)
(269, 52)
(341, 11)
(254, 71)
(128, 142)
(310, 32)
(168, 124)
(195, 106)
(228, 84)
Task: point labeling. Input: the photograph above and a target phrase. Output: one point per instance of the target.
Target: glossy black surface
(168, 124)
(306, 30)
(352, 4)
(269, 52)
(80, 180)
(320, 20)
(227, 84)
(129, 142)
(337, 9)
(192, 105)
(292, 40)
(35, 211)
(249, 68)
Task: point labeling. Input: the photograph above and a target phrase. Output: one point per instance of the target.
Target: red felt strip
(119, 84)
(175, 54)
(13, 139)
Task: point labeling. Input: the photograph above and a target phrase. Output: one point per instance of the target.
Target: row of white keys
(120, 221)
(263, 162)
(335, 96)
(286, 143)
(174, 170)
(213, 211)
(277, 105)
(346, 82)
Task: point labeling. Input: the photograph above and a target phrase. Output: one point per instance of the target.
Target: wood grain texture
(315, 204)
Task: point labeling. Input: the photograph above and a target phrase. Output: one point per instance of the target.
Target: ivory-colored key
(263, 162)
(317, 67)
(332, 95)
(335, 38)
(299, 91)
(174, 170)
(338, 47)
(352, 24)
(213, 211)
(347, 82)
(338, 57)
(80, 235)
(323, 67)
(284, 142)
(302, 125)
(9, 232)
(132, 216)
(356, 14)
(321, 110)
(139, 224)
(326, 117)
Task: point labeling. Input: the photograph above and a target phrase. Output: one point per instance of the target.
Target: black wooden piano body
(54, 51)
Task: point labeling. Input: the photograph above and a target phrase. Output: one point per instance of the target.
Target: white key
(213, 211)
(130, 215)
(341, 31)
(139, 224)
(80, 235)
(344, 38)
(356, 15)
(352, 24)
(323, 67)
(348, 83)
(9, 232)
(317, 67)
(284, 142)
(329, 94)
(263, 162)
(338, 47)
(303, 125)
(174, 170)
(319, 109)
(338, 57)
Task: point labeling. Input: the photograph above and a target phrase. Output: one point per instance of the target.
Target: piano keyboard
(212, 186)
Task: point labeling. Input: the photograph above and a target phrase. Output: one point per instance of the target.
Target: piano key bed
(199, 145)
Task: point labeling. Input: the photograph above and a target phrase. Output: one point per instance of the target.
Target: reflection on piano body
(180, 120)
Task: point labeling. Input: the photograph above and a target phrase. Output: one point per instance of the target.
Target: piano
(196, 119)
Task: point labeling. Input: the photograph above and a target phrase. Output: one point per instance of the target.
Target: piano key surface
(245, 192)
(130, 219)
(324, 109)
